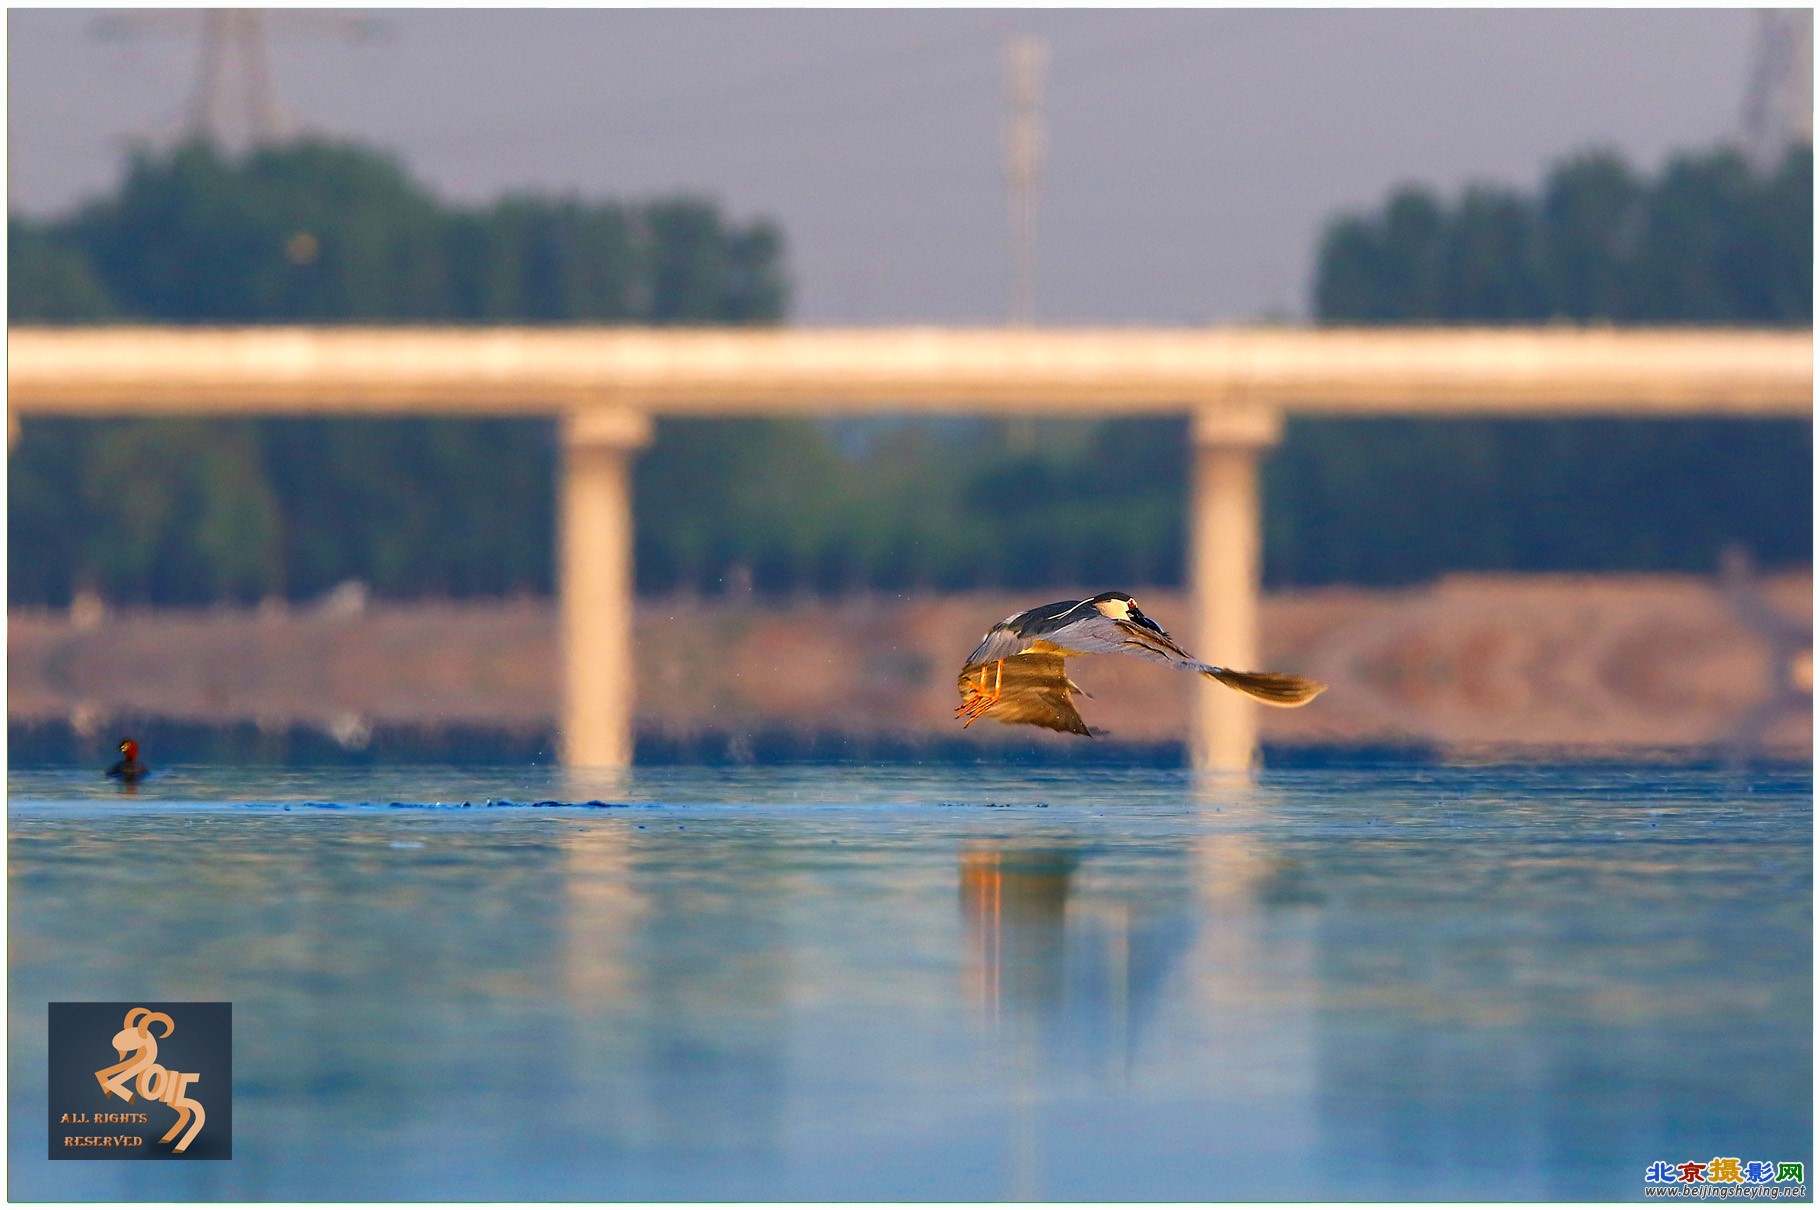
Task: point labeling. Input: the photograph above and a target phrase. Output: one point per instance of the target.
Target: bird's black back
(1043, 618)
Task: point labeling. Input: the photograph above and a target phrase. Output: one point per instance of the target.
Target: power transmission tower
(234, 52)
(1779, 98)
(1026, 55)
(233, 102)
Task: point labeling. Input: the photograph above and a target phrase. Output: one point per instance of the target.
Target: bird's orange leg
(979, 703)
(974, 696)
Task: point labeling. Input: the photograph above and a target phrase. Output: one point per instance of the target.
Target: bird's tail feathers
(1271, 688)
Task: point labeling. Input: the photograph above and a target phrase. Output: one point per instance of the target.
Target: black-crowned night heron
(1016, 674)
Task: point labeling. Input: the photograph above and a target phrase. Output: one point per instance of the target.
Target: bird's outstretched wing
(1032, 688)
(1000, 643)
(1016, 634)
(1095, 633)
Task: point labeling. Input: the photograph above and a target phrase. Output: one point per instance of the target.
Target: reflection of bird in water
(1064, 975)
(1039, 952)
(1016, 674)
(1016, 904)
(129, 768)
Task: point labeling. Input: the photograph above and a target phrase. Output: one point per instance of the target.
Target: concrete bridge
(605, 384)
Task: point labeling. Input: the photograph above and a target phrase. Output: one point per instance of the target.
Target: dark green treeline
(193, 511)
(1705, 241)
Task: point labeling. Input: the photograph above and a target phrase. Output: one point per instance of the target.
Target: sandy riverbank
(1606, 662)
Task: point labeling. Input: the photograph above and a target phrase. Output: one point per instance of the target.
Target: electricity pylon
(1025, 57)
(1779, 98)
(233, 102)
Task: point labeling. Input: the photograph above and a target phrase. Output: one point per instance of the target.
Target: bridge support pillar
(595, 583)
(1225, 543)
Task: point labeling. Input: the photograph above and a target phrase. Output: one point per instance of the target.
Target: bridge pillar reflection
(595, 583)
(1225, 544)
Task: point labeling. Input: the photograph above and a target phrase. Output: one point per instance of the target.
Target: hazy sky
(1192, 155)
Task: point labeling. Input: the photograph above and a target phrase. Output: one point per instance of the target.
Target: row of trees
(315, 232)
(195, 511)
(198, 511)
(192, 511)
(1707, 240)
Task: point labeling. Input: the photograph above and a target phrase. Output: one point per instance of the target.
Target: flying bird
(1017, 675)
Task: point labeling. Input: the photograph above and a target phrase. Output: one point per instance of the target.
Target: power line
(803, 95)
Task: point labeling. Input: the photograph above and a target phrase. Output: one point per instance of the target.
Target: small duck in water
(129, 768)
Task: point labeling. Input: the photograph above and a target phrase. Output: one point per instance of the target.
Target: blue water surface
(1364, 981)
